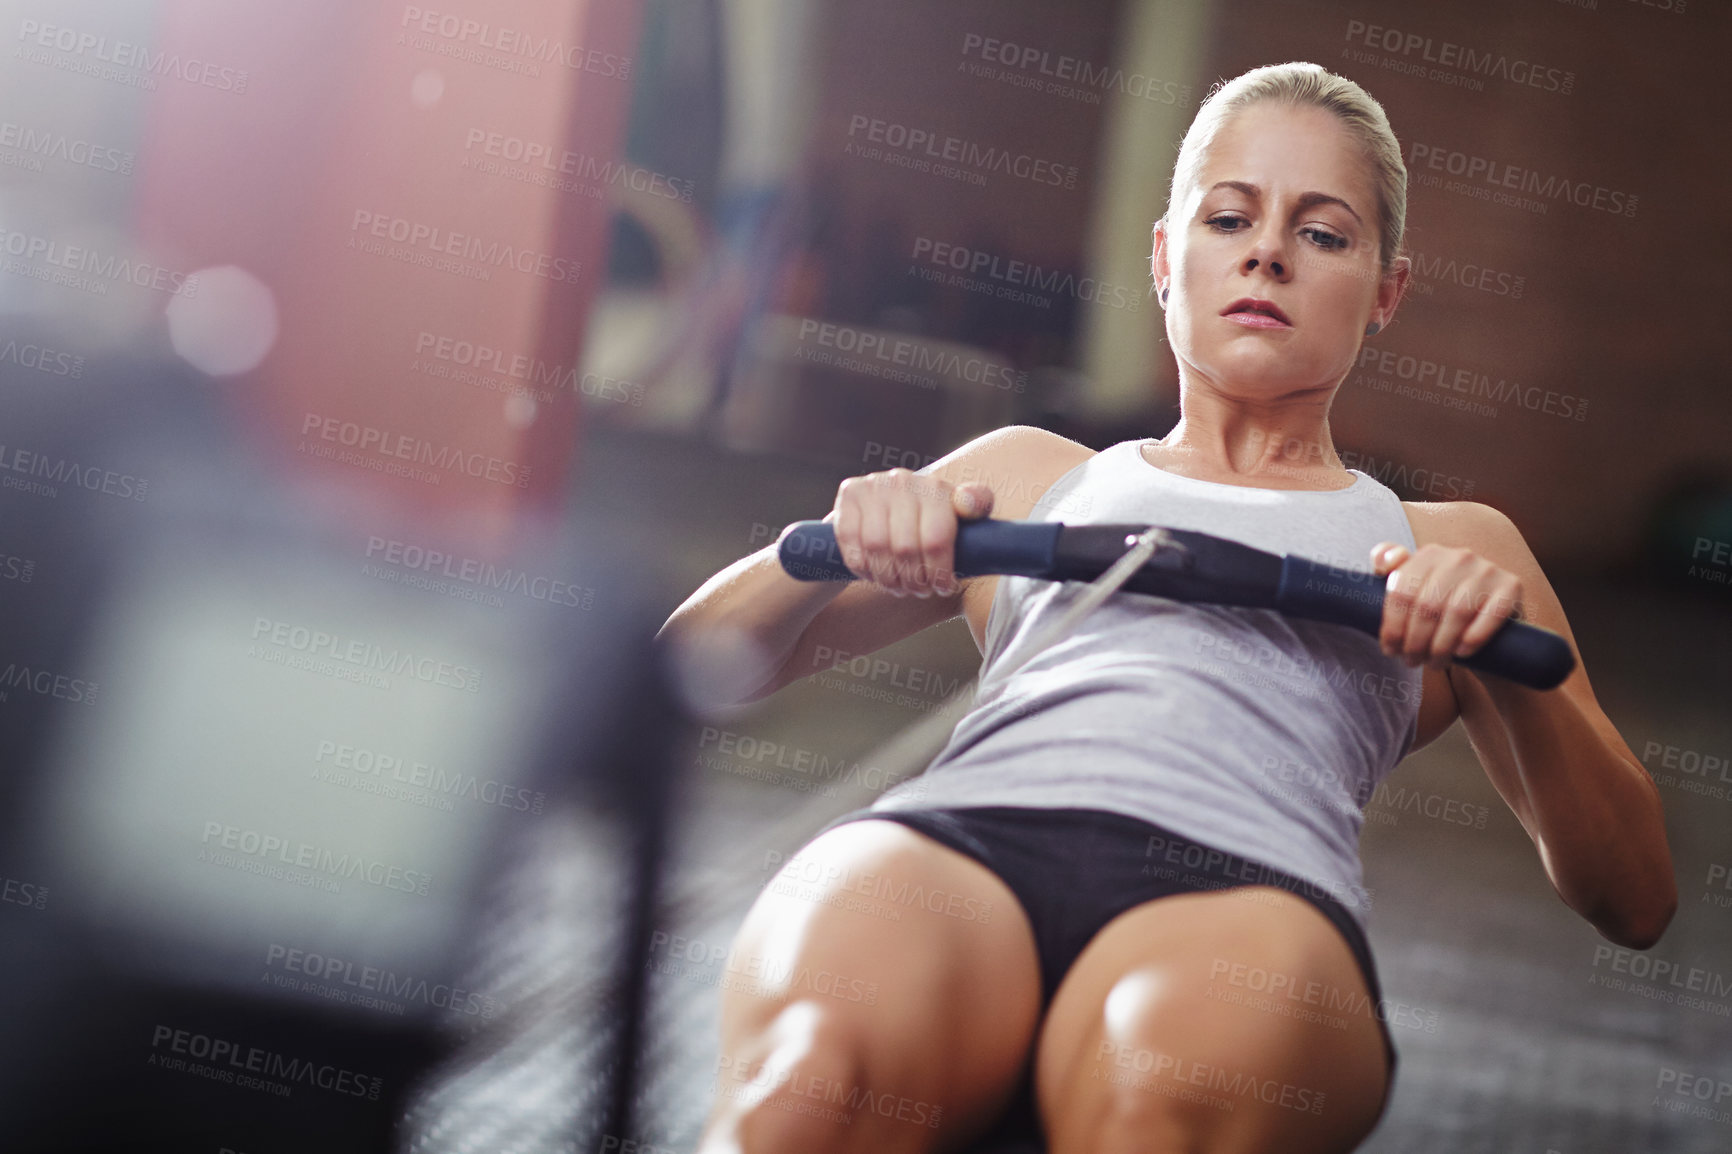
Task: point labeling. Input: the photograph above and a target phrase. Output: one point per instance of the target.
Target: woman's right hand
(897, 529)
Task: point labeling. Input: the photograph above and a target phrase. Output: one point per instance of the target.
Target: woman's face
(1282, 210)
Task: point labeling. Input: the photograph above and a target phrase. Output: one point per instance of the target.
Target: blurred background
(375, 377)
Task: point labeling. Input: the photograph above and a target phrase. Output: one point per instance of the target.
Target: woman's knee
(1129, 1098)
(1135, 1127)
(1150, 1095)
(1197, 1025)
(809, 1083)
(898, 1024)
(777, 1091)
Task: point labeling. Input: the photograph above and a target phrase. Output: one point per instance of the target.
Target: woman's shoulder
(1025, 440)
(1017, 462)
(1463, 524)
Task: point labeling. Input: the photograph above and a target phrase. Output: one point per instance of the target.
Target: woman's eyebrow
(1306, 200)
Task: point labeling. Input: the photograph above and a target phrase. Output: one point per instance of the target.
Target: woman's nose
(1266, 251)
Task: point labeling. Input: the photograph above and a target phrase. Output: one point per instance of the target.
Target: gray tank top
(1239, 729)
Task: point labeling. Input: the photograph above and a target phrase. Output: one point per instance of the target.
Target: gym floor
(1519, 1028)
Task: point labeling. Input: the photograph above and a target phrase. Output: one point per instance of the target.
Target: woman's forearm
(1597, 815)
(739, 628)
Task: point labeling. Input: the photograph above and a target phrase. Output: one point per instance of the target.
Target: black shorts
(1073, 870)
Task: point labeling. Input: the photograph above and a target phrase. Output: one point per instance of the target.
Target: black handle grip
(808, 550)
(1518, 652)
(1525, 654)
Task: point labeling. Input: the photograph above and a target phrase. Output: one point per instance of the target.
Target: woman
(1123, 904)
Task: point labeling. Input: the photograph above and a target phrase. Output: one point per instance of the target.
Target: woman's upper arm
(1495, 537)
(864, 618)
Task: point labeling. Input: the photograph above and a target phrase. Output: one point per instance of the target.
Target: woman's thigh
(1228, 1021)
(881, 976)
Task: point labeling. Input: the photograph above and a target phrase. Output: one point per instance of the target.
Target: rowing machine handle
(808, 549)
(1519, 652)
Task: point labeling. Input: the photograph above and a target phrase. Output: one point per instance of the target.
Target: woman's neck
(1218, 438)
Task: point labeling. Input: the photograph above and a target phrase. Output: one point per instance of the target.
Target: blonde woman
(1123, 908)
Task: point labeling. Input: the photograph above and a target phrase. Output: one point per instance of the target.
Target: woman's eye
(1218, 221)
(1325, 238)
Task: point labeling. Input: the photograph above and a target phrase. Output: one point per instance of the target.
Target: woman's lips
(1256, 320)
(1257, 313)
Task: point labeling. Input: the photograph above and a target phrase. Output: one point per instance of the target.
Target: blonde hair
(1301, 84)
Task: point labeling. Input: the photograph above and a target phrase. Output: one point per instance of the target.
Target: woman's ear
(1392, 287)
(1160, 268)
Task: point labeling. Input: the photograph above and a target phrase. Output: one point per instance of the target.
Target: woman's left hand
(1441, 603)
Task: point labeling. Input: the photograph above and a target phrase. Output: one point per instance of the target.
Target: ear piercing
(1373, 329)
